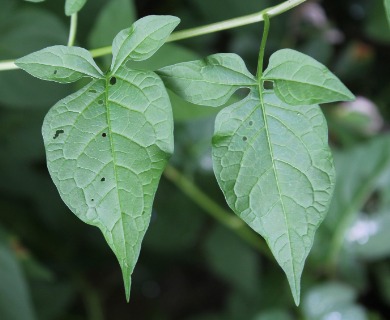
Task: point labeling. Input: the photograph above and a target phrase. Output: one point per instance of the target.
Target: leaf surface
(271, 159)
(115, 15)
(106, 148)
(107, 144)
(15, 300)
(299, 79)
(60, 63)
(74, 6)
(387, 9)
(142, 40)
(274, 166)
(210, 81)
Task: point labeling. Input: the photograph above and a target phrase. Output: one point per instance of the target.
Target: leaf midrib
(107, 84)
(276, 178)
(306, 84)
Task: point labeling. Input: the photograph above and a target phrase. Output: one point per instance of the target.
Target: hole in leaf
(58, 132)
(112, 80)
(268, 85)
(92, 91)
(244, 138)
(100, 101)
(103, 179)
(92, 199)
(251, 123)
(55, 72)
(104, 134)
(242, 92)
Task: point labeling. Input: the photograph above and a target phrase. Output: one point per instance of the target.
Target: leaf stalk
(72, 30)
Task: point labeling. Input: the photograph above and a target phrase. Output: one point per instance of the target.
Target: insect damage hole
(57, 134)
(55, 72)
(244, 138)
(250, 123)
(100, 102)
(104, 134)
(103, 179)
(112, 80)
(268, 85)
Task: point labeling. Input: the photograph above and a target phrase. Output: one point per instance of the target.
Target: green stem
(262, 47)
(215, 210)
(72, 30)
(194, 32)
(8, 65)
(91, 299)
(350, 213)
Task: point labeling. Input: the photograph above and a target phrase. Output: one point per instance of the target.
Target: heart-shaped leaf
(271, 159)
(107, 144)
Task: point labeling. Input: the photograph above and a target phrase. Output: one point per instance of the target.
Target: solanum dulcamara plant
(108, 144)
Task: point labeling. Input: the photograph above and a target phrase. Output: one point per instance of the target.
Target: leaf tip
(127, 283)
(297, 297)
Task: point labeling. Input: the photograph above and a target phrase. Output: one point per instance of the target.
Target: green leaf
(114, 16)
(274, 315)
(142, 40)
(274, 166)
(368, 237)
(232, 260)
(60, 63)
(210, 81)
(107, 144)
(25, 30)
(73, 6)
(15, 300)
(271, 159)
(359, 172)
(299, 79)
(330, 300)
(106, 148)
(387, 9)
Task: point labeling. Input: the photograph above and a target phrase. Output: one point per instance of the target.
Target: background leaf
(113, 17)
(73, 6)
(23, 31)
(332, 300)
(15, 301)
(299, 79)
(387, 9)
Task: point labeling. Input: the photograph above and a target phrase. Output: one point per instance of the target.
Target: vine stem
(72, 30)
(223, 216)
(188, 33)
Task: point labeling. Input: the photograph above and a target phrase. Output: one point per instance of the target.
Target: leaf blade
(387, 9)
(142, 40)
(74, 6)
(88, 139)
(268, 184)
(299, 79)
(210, 81)
(60, 63)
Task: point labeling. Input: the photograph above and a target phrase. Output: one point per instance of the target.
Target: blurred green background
(54, 267)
